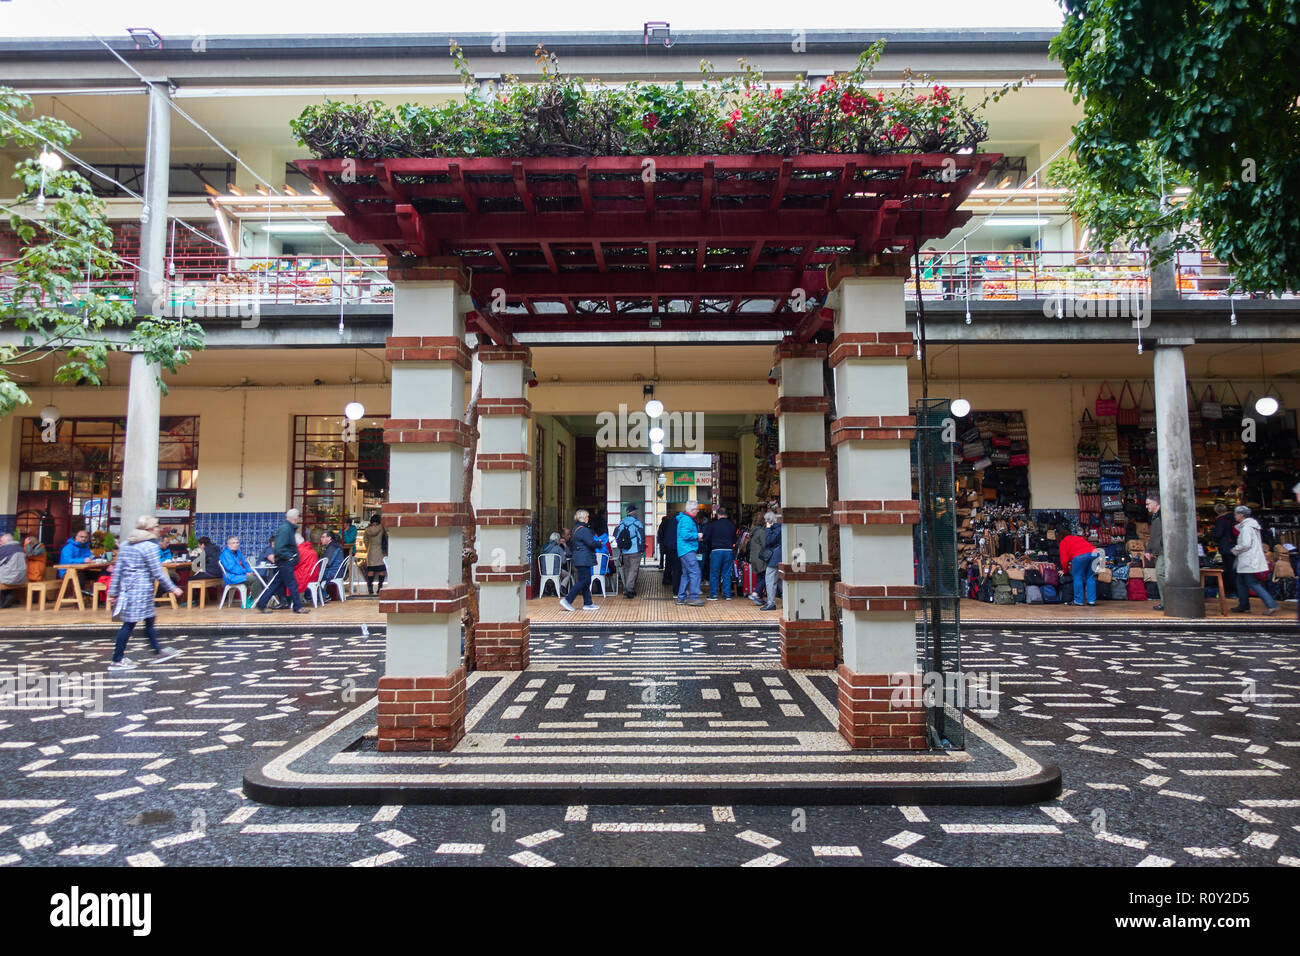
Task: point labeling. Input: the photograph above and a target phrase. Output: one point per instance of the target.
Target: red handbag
(1107, 405)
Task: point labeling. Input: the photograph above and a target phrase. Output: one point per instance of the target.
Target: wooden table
(71, 576)
(1217, 574)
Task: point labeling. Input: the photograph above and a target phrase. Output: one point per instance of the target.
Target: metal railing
(980, 275)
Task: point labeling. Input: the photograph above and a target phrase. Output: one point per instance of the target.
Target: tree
(65, 243)
(1199, 94)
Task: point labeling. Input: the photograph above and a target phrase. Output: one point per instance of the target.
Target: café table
(72, 580)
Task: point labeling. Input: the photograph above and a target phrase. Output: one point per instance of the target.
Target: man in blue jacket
(630, 538)
(76, 551)
(688, 552)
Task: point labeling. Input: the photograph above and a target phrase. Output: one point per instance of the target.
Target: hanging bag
(1211, 407)
(1087, 427)
(1193, 409)
(1106, 404)
(1232, 410)
(1146, 416)
(1127, 415)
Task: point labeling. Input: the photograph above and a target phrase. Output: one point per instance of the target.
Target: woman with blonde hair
(131, 592)
(584, 559)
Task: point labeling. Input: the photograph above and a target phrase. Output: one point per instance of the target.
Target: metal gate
(939, 626)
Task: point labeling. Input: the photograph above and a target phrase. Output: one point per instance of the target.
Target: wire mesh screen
(939, 626)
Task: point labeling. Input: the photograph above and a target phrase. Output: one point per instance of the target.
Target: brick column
(807, 632)
(874, 510)
(422, 692)
(501, 637)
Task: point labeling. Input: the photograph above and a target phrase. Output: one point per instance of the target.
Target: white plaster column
(807, 631)
(422, 693)
(502, 466)
(874, 509)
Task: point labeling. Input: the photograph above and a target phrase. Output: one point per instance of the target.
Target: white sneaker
(125, 664)
(566, 605)
(591, 607)
(166, 654)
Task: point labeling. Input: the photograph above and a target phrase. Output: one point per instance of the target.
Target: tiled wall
(6, 523)
(253, 527)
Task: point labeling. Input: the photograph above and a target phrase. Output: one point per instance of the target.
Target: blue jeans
(1247, 582)
(124, 632)
(581, 584)
(1084, 578)
(689, 589)
(720, 562)
(280, 581)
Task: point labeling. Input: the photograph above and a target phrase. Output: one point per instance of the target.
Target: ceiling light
(1266, 405)
(50, 161)
(1017, 221)
(656, 434)
(960, 407)
(657, 448)
(292, 227)
(654, 408)
(354, 411)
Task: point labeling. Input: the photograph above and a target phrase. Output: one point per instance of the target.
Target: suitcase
(748, 579)
(1137, 590)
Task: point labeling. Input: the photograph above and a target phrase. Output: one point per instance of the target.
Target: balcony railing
(209, 284)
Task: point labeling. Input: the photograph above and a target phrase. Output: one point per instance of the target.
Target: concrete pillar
(1183, 595)
(502, 466)
(422, 692)
(807, 631)
(144, 397)
(874, 510)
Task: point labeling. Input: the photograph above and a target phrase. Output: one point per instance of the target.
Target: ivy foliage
(1198, 94)
(561, 115)
(45, 308)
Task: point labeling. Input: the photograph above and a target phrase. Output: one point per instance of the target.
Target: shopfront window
(338, 473)
(75, 481)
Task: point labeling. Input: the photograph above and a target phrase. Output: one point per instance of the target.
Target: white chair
(339, 581)
(599, 571)
(550, 568)
(314, 585)
(241, 589)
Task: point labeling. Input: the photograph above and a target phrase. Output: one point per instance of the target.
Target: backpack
(1119, 573)
(1002, 595)
(1137, 589)
(624, 538)
(1033, 594)
(1118, 590)
(1034, 576)
(1050, 576)
(1051, 595)
(1152, 589)
(986, 591)
(1001, 579)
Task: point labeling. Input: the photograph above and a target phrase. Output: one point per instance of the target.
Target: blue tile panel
(6, 523)
(253, 527)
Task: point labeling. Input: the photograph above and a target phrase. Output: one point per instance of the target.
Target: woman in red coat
(305, 570)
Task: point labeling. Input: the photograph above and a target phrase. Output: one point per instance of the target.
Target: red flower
(880, 97)
(735, 116)
(650, 121)
(778, 92)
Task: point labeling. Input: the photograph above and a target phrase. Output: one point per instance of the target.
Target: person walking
(1077, 557)
(668, 551)
(1251, 562)
(630, 538)
(131, 592)
(771, 557)
(757, 544)
(1156, 546)
(688, 553)
(719, 544)
(286, 556)
(584, 559)
(376, 550)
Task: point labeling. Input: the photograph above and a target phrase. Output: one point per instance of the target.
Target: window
(337, 474)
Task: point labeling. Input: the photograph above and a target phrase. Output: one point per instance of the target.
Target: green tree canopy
(45, 308)
(1199, 94)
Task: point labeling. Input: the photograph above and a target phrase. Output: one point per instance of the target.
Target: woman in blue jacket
(584, 558)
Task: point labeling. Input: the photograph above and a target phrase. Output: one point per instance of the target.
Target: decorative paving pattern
(1165, 764)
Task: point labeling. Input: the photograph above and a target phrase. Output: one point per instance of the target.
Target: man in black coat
(668, 552)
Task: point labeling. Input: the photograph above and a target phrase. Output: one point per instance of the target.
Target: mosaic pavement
(1176, 749)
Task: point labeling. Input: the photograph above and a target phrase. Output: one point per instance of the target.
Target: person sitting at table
(554, 546)
(13, 567)
(77, 551)
(305, 570)
(207, 563)
(235, 569)
(334, 558)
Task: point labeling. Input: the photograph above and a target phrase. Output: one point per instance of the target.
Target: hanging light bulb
(656, 434)
(50, 161)
(354, 410)
(654, 408)
(657, 448)
(960, 407)
(40, 199)
(144, 214)
(50, 413)
(1266, 405)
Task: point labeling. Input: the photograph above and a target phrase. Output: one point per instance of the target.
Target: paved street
(1176, 748)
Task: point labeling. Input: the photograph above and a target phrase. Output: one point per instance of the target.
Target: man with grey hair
(286, 557)
(13, 567)
(688, 552)
(1156, 545)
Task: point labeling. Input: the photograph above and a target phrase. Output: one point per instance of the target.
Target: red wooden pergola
(622, 243)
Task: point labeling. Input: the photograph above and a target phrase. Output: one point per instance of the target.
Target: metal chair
(314, 585)
(599, 572)
(240, 589)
